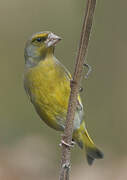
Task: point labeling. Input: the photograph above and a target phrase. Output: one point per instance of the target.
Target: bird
(47, 84)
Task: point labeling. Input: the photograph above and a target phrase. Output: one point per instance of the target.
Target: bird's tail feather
(92, 152)
(83, 140)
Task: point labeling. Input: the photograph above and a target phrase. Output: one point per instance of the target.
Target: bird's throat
(32, 60)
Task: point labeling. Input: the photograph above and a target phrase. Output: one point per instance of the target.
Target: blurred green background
(28, 148)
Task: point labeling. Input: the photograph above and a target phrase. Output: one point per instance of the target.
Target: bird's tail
(83, 139)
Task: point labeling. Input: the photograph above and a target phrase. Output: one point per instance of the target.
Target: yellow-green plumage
(48, 87)
(47, 83)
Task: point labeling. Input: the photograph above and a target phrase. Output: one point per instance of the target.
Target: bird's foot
(89, 70)
(66, 144)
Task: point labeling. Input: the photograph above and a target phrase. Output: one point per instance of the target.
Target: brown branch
(75, 83)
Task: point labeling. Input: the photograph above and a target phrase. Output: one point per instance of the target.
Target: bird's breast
(49, 88)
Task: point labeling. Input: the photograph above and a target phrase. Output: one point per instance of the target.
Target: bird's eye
(39, 39)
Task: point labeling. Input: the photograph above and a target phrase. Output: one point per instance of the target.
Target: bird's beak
(52, 40)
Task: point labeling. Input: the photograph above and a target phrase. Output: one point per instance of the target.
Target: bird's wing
(69, 77)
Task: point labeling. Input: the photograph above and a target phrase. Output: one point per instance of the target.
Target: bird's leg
(89, 70)
(66, 144)
(87, 74)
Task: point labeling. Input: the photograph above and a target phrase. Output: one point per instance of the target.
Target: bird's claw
(66, 144)
(89, 70)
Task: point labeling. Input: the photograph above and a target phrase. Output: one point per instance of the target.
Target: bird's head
(40, 45)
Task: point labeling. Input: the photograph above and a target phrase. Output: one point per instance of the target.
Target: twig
(75, 83)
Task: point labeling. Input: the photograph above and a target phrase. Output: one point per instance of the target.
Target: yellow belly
(48, 87)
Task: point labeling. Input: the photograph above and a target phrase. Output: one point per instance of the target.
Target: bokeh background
(28, 148)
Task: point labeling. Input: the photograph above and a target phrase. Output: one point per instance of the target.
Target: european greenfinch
(47, 83)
